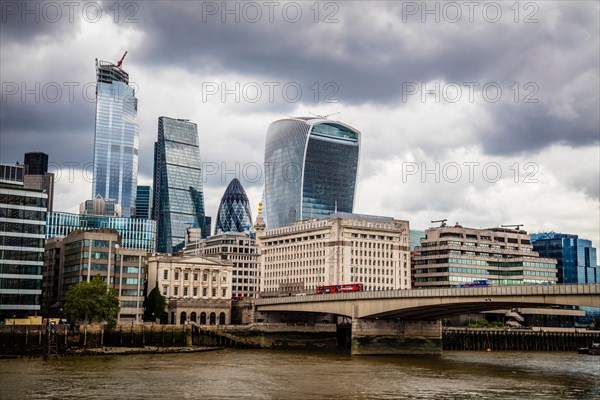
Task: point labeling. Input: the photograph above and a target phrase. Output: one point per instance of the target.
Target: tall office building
(22, 229)
(143, 202)
(576, 257)
(36, 162)
(234, 211)
(37, 175)
(178, 195)
(311, 166)
(116, 140)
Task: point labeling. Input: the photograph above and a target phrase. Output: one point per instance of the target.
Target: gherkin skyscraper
(234, 211)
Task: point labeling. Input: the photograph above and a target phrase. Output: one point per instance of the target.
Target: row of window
(186, 291)
(21, 214)
(22, 200)
(485, 263)
(18, 227)
(19, 241)
(195, 275)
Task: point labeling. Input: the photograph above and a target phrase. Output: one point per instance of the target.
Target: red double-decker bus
(348, 287)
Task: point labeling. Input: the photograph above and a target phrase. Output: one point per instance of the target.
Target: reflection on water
(265, 374)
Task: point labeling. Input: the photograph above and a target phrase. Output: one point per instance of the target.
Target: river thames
(266, 374)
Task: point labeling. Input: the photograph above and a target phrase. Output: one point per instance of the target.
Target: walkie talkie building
(311, 167)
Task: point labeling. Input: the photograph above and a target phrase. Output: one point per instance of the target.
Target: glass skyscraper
(178, 195)
(22, 229)
(143, 202)
(576, 257)
(116, 140)
(311, 166)
(234, 211)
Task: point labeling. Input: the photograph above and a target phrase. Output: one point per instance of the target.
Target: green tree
(154, 305)
(93, 301)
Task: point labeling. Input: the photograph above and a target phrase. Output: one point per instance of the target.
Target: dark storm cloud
(372, 63)
(368, 59)
(62, 129)
(517, 128)
(23, 21)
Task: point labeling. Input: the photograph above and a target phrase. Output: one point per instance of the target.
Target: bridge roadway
(432, 304)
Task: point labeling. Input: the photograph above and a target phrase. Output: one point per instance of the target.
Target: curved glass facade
(310, 169)
(116, 139)
(234, 211)
(179, 198)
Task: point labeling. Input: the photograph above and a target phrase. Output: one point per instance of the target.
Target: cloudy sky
(484, 113)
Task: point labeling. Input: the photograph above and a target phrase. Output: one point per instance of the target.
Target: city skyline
(377, 77)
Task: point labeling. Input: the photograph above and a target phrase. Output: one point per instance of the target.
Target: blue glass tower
(234, 211)
(311, 166)
(143, 202)
(116, 139)
(576, 257)
(178, 195)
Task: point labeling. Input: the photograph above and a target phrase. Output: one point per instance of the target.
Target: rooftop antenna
(323, 116)
(516, 226)
(441, 221)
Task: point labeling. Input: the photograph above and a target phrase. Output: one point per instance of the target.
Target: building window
(214, 292)
(195, 292)
(224, 292)
(176, 275)
(166, 274)
(186, 276)
(185, 291)
(176, 291)
(165, 291)
(195, 276)
(205, 277)
(204, 292)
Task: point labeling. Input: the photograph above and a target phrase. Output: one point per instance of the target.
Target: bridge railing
(499, 290)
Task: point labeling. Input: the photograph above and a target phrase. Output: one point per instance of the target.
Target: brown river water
(267, 374)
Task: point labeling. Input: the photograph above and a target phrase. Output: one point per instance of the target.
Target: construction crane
(441, 221)
(516, 226)
(120, 62)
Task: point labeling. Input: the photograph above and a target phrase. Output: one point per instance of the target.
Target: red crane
(121, 60)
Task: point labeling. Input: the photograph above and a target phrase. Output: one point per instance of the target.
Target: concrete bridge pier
(393, 336)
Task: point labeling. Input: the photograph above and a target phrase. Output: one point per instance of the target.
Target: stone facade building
(340, 249)
(197, 288)
(241, 250)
